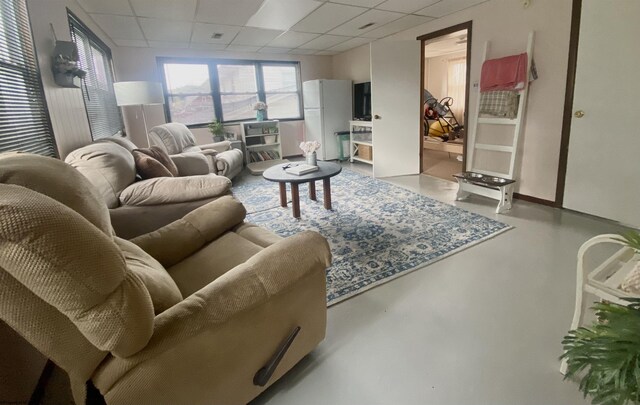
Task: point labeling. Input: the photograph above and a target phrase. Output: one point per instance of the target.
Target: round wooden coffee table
(325, 171)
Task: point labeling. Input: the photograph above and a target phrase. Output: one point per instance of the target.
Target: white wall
(506, 24)
(353, 65)
(141, 64)
(66, 106)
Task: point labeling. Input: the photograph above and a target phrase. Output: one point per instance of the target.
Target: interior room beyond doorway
(445, 100)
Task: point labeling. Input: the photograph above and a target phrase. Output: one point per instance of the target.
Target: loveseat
(196, 312)
(138, 207)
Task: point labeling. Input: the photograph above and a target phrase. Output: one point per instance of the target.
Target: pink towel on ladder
(509, 73)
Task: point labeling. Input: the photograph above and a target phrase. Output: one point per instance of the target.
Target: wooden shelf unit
(263, 145)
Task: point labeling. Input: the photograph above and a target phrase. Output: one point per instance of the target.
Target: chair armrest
(217, 146)
(180, 239)
(241, 316)
(191, 163)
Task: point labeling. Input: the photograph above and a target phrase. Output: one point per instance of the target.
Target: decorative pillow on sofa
(161, 156)
(149, 166)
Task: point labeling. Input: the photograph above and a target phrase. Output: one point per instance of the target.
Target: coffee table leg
(283, 194)
(295, 199)
(312, 190)
(326, 184)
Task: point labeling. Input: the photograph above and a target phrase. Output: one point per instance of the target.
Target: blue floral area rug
(377, 231)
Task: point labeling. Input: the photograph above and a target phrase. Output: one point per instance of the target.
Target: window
(24, 120)
(200, 91)
(189, 93)
(281, 90)
(99, 96)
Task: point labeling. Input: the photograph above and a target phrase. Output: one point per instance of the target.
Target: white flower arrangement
(309, 147)
(260, 106)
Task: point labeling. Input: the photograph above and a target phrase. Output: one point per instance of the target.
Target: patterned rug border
(419, 267)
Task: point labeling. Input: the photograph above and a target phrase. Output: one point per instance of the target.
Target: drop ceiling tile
(165, 30)
(327, 17)
(447, 7)
(212, 47)
(326, 53)
(270, 49)
(242, 48)
(183, 10)
(282, 14)
(301, 51)
(168, 44)
(360, 3)
(118, 27)
(396, 26)
(229, 12)
(119, 7)
(325, 42)
(292, 39)
(203, 33)
(405, 6)
(136, 43)
(350, 44)
(255, 36)
(377, 17)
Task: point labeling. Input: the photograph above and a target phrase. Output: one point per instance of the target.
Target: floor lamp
(139, 93)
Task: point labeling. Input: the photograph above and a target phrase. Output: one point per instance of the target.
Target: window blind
(24, 120)
(99, 96)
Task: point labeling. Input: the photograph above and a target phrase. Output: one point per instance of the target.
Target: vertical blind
(99, 96)
(24, 120)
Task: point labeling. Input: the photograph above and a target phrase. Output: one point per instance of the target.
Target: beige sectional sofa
(192, 313)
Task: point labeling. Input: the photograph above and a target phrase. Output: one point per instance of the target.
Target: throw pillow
(148, 167)
(161, 156)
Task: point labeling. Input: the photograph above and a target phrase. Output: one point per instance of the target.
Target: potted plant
(606, 356)
(217, 130)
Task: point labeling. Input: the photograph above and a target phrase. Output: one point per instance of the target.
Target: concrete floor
(483, 326)
(480, 327)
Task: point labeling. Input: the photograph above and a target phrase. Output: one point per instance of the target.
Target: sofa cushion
(149, 167)
(211, 262)
(164, 190)
(59, 181)
(109, 167)
(119, 140)
(162, 289)
(161, 156)
(76, 268)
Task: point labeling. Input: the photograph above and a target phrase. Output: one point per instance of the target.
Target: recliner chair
(176, 138)
(206, 310)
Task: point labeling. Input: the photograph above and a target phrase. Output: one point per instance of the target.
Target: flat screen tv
(362, 101)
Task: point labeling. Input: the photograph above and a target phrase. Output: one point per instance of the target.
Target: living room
(408, 288)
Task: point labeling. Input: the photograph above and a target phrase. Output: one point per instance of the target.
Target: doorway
(445, 100)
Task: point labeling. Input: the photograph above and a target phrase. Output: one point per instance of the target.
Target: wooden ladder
(495, 183)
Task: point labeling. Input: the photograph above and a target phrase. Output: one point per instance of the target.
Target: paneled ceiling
(305, 27)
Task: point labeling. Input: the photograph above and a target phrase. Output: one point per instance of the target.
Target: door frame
(468, 25)
(576, 14)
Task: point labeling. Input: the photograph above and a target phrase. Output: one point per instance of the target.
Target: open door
(602, 175)
(395, 106)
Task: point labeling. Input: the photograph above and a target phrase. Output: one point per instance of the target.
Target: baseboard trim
(38, 392)
(534, 200)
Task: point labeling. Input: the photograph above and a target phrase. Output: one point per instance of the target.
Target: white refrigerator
(328, 108)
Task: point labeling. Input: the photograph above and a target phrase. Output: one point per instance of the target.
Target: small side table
(326, 170)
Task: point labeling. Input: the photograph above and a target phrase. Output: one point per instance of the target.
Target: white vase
(311, 159)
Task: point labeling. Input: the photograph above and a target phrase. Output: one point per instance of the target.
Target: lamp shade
(138, 93)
